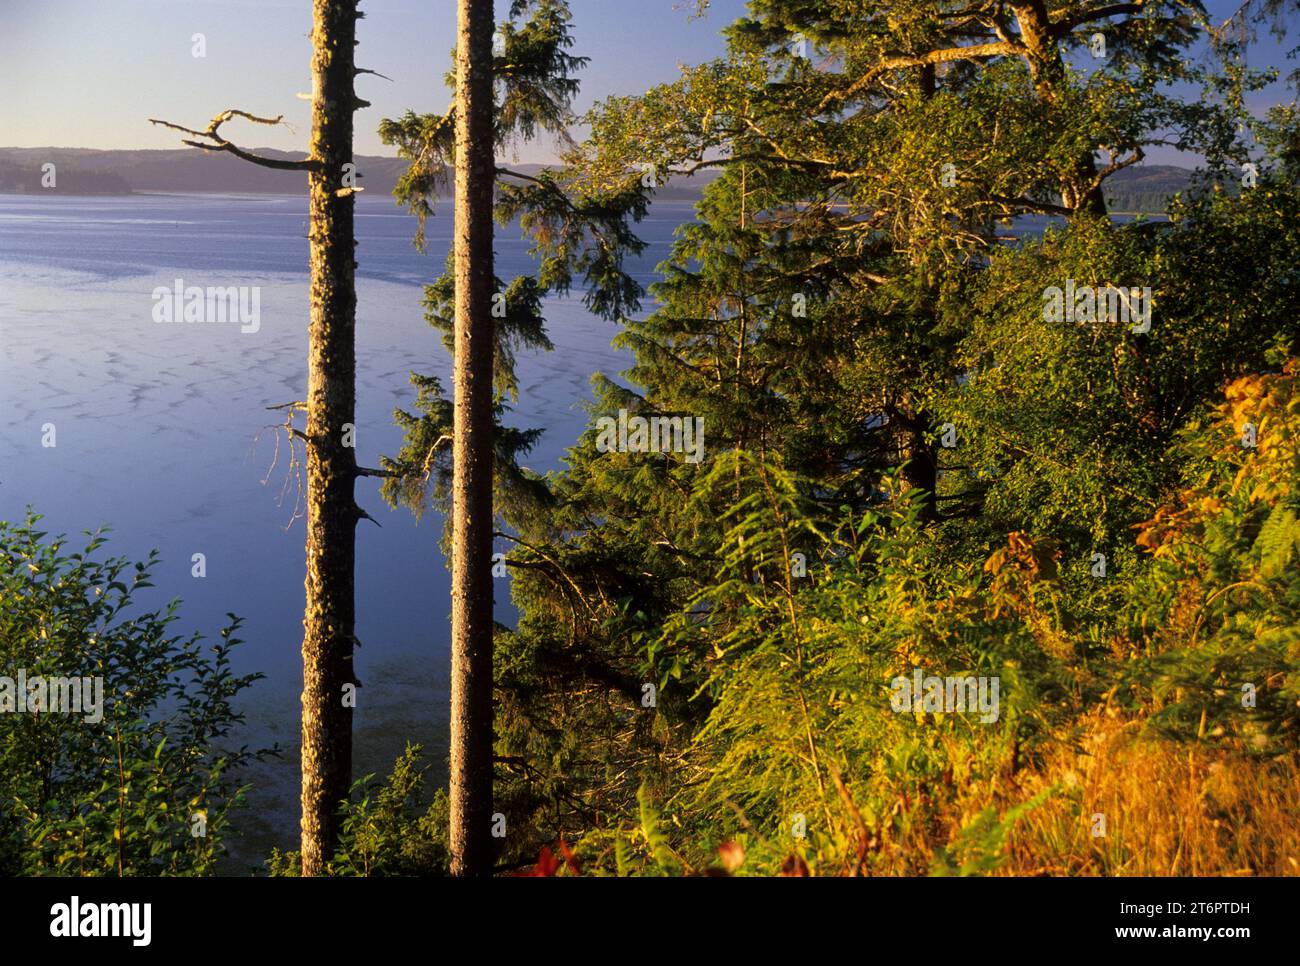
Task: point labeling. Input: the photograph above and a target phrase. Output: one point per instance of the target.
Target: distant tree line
(67, 181)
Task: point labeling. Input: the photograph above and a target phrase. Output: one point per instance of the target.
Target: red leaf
(732, 855)
(795, 866)
(546, 866)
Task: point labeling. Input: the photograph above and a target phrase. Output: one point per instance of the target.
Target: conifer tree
(331, 510)
(817, 315)
(577, 228)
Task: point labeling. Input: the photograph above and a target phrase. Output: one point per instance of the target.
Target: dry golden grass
(1170, 810)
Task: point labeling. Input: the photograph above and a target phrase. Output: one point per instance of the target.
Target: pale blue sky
(88, 73)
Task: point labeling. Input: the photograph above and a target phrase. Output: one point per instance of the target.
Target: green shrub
(146, 789)
(384, 832)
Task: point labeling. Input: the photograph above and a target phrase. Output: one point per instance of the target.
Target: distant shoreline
(192, 172)
(295, 195)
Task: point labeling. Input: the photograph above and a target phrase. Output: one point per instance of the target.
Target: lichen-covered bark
(328, 621)
(1047, 68)
(472, 520)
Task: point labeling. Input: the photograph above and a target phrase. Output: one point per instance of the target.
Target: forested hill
(188, 170)
(1145, 189)
(191, 171)
(184, 170)
(70, 179)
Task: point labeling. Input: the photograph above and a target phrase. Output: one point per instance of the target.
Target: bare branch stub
(211, 139)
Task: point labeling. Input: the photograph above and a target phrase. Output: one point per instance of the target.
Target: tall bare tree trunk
(472, 520)
(332, 513)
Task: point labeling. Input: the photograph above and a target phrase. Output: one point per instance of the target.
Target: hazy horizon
(95, 87)
(99, 91)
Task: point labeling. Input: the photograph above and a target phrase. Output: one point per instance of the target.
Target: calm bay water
(163, 434)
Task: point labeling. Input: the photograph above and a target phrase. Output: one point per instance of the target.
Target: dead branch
(212, 140)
